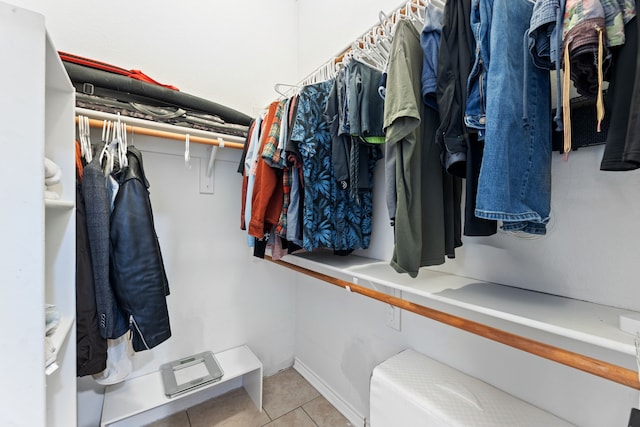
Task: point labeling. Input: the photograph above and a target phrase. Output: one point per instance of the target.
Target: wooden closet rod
(142, 130)
(584, 363)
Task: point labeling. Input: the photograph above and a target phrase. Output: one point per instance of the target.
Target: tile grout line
(309, 415)
(268, 416)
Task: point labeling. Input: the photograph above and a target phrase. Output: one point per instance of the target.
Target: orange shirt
(267, 197)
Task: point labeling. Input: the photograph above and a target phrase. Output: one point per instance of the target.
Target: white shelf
(582, 321)
(38, 238)
(59, 204)
(60, 335)
(144, 393)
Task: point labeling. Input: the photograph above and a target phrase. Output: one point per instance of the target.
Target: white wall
(589, 254)
(228, 52)
(327, 28)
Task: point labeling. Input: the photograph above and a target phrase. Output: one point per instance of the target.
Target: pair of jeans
(515, 177)
(475, 110)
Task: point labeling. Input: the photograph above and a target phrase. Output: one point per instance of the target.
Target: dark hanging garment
(91, 347)
(474, 226)
(137, 271)
(622, 149)
(112, 323)
(454, 65)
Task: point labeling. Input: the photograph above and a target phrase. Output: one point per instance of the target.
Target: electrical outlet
(630, 322)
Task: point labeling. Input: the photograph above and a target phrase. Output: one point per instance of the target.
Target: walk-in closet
(305, 213)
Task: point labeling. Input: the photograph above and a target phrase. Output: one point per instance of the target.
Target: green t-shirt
(410, 131)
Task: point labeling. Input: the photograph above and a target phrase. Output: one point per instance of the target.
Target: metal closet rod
(578, 361)
(144, 127)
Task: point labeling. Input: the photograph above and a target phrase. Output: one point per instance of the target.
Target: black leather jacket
(137, 272)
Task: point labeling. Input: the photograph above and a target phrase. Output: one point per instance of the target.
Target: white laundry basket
(410, 389)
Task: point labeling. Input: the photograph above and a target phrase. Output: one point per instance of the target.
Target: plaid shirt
(270, 153)
(281, 227)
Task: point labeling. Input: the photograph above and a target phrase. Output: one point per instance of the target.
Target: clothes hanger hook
(187, 154)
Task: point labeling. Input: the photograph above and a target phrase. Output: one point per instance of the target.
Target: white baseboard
(349, 412)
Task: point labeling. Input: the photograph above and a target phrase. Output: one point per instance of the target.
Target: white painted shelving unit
(141, 400)
(37, 248)
(579, 326)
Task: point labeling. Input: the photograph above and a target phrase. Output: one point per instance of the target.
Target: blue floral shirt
(331, 217)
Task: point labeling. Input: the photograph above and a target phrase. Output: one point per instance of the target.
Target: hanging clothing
(341, 141)
(544, 39)
(622, 149)
(91, 347)
(243, 169)
(136, 268)
(366, 108)
(112, 322)
(311, 133)
(354, 193)
(296, 193)
(430, 42)
(474, 109)
(366, 116)
(476, 105)
(288, 172)
(419, 233)
(515, 177)
(331, 218)
(251, 160)
(266, 198)
(454, 64)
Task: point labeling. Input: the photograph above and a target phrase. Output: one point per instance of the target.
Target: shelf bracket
(207, 173)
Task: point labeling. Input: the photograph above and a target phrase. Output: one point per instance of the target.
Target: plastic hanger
(278, 87)
(120, 143)
(412, 11)
(386, 23)
(106, 127)
(440, 4)
(82, 136)
(88, 155)
(187, 154)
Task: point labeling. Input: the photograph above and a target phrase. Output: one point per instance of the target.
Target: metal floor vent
(189, 373)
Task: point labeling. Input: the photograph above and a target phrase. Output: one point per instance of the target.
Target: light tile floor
(288, 400)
